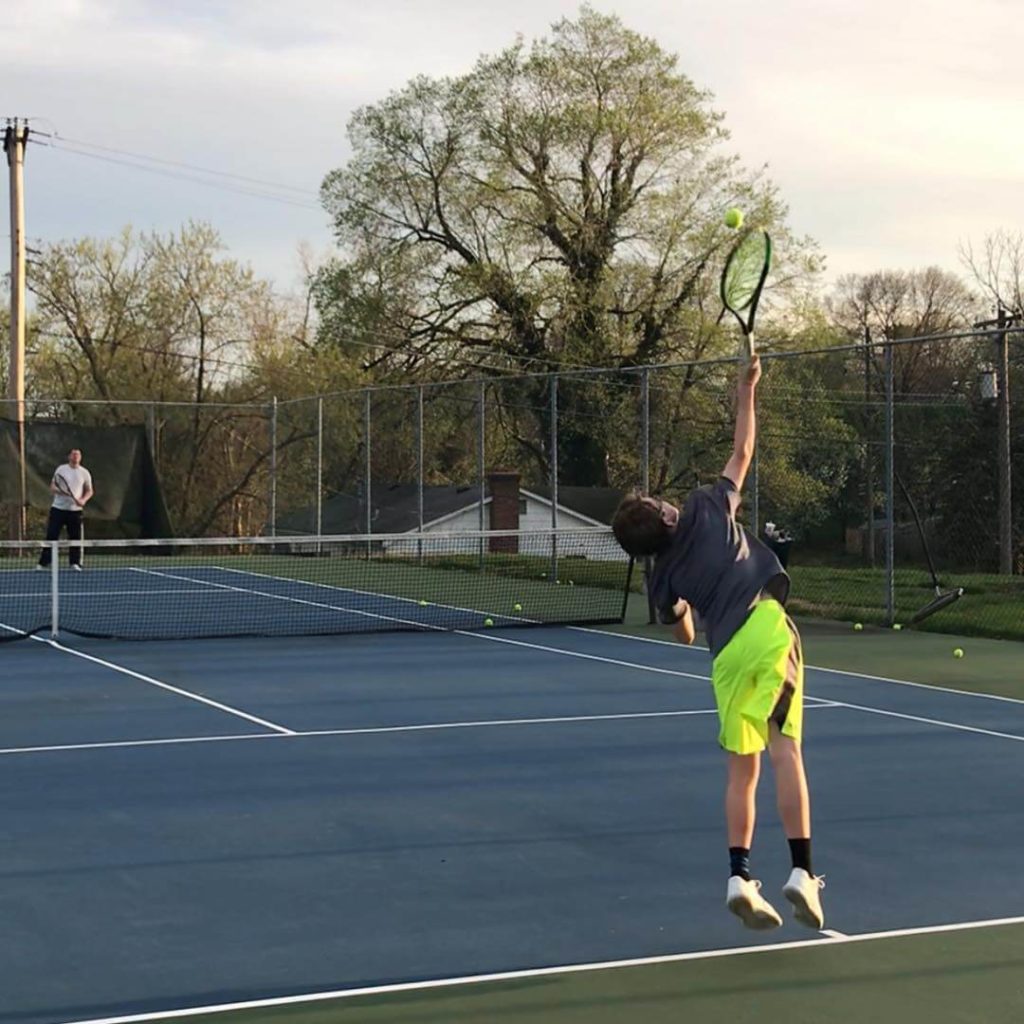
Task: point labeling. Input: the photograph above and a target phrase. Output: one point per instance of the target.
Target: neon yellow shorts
(761, 664)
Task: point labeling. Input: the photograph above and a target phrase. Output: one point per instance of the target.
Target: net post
(54, 588)
(553, 400)
(890, 495)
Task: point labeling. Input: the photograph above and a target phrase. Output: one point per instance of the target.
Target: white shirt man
(71, 487)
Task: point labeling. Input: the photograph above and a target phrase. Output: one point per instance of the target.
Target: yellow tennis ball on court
(488, 622)
(517, 607)
(958, 652)
(858, 626)
(734, 218)
(896, 625)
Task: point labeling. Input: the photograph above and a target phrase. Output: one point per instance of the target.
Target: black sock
(800, 851)
(739, 862)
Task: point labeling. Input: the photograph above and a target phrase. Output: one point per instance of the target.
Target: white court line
(371, 593)
(56, 645)
(547, 972)
(579, 654)
(293, 600)
(440, 629)
(65, 594)
(817, 668)
(930, 721)
(368, 730)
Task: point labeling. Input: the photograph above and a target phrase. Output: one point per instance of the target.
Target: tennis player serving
(706, 562)
(71, 487)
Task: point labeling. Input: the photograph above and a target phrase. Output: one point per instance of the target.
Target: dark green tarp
(129, 501)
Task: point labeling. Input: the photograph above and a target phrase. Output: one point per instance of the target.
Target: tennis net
(307, 585)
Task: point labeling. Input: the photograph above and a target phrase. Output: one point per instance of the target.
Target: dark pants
(70, 519)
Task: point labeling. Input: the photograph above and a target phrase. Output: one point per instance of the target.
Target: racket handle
(751, 347)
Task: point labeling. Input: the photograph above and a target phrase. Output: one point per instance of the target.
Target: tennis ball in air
(488, 622)
(423, 604)
(958, 652)
(896, 625)
(734, 218)
(517, 607)
(858, 626)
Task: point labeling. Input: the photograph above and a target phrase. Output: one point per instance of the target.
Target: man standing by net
(71, 487)
(706, 562)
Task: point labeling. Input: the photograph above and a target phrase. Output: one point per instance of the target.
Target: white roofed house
(507, 505)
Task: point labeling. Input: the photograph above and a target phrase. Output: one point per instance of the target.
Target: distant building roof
(395, 507)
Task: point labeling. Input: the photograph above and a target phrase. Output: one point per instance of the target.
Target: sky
(892, 127)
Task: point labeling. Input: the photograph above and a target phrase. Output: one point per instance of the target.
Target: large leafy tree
(170, 330)
(559, 205)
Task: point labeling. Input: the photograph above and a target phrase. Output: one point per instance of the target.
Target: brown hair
(638, 527)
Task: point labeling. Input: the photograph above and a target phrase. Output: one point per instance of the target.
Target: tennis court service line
(929, 721)
(65, 594)
(694, 648)
(547, 972)
(188, 694)
(371, 730)
(831, 703)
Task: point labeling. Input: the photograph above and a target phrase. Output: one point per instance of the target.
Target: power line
(63, 139)
(179, 176)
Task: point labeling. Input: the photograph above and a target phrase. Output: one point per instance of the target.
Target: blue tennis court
(221, 822)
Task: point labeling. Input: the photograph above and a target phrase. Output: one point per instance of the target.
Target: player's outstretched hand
(751, 372)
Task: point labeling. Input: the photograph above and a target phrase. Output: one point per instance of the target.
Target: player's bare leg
(803, 889)
(743, 895)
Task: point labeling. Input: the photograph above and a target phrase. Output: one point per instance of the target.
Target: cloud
(875, 118)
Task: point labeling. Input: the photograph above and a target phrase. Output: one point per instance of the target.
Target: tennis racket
(62, 485)
(942, 598)
(743, 277)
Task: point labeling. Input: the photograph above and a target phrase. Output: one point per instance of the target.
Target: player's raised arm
(745, 435)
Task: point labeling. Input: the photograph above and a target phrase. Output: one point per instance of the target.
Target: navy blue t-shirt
(715, 565)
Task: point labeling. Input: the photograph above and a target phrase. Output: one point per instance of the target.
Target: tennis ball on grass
(734, 218)
(858, 626)
(958, 652)
(896, 625)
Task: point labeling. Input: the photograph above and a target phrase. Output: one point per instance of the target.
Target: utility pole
(1002, 323)
(869, 465)
(1005, 458)
(15, 137)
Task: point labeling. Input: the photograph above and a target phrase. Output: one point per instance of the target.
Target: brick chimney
(504, 485)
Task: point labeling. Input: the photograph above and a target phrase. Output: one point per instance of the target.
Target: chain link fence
(883, 469)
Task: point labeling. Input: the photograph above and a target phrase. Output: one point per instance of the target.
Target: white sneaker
(40, 568)
(77, 568)
(802, 890)
(744, 899)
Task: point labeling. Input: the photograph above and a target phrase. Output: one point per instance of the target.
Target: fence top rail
(764, 351)
(568, 373)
